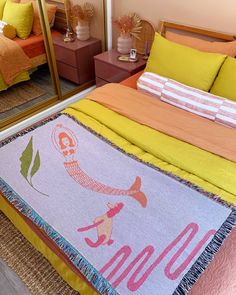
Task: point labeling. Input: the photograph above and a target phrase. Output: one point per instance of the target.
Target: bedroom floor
(10, 284)
(42, 79)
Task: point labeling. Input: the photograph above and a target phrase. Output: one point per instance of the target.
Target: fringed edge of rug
(29, 129)
(207, 256)
(89, 272)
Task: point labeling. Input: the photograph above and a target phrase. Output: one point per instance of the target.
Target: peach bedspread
(156, 114)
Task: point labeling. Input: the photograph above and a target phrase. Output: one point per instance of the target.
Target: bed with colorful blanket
(131, 192)
(119, 207)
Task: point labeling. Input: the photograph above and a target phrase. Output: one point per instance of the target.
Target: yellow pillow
(184, 64)
(2, 4)
(19, 16)
(225, 83)
(51, 11)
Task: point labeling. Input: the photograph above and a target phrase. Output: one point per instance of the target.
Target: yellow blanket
(20, 78)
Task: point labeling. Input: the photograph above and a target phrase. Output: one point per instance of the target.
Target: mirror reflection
(81, 33)
(48, 56)
(25, 80)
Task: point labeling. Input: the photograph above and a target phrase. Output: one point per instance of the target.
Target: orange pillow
(51, 11)
(227, 48)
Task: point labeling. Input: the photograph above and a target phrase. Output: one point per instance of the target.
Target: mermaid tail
(74, 170)
(138, 195)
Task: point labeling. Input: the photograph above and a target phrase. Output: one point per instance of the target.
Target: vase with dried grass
(129, 27)
(83, 15)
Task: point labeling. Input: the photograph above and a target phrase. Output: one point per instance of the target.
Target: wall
(218, 15)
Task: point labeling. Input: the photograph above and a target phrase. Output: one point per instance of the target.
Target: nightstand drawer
(68, 72)
(109, 72)
(65, 55)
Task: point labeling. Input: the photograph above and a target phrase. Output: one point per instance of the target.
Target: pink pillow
(185, 97)
(227, 48)
(227, 114)
(192, 100)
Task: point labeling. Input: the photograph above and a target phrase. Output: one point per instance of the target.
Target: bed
(33, 46)
(34, 49)
(114, 114)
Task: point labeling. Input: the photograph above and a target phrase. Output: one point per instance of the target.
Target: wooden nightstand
(75, 60)
(109, 69)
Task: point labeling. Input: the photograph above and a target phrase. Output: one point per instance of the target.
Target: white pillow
(2, 25)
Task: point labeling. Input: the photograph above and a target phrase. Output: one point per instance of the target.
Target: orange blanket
(156, 114)
(13, 60)
(34, 45)
(132, 81)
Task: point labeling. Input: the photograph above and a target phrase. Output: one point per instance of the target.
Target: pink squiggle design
(133, 284)
(174, 275)
(124, 252)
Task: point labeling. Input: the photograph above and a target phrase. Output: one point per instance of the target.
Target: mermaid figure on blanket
(66, 143)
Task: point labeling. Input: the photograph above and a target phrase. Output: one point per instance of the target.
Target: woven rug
(18, 95)
(33, 269)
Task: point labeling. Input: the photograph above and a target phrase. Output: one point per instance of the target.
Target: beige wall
(218, 15)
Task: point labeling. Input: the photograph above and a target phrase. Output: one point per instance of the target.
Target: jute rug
(33, 269)
(18, 95)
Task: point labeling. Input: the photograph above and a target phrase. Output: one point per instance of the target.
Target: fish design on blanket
(66, 143)
(104, 226)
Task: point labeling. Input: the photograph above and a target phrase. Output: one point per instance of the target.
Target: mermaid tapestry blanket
(129, 228)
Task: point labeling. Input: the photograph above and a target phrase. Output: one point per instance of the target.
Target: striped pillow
(227, 113)
(151, 83)
(190, 99)
(196, 101)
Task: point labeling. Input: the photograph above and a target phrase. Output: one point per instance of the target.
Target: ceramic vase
(83, 31)
(124, 44)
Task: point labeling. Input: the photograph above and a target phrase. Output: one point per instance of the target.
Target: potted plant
(129, 27)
